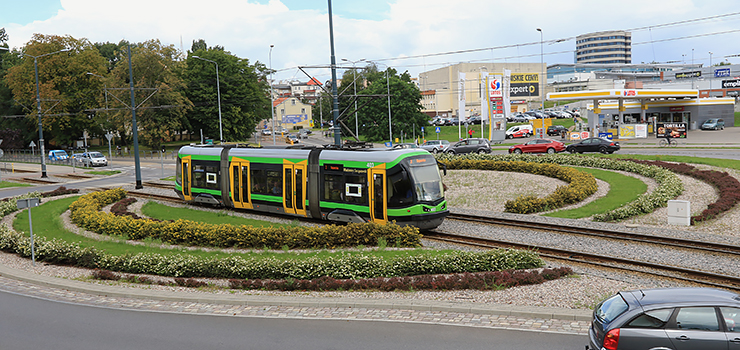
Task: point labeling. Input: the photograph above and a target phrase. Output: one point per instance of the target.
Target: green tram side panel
(417, 209)
(353, 207)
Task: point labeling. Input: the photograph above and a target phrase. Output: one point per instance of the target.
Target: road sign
(32, 145)
(436, 130)
(109, 136)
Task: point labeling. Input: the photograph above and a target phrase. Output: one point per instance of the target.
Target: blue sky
(435, 32)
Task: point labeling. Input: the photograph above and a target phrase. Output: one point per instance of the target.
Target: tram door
(186, 178)
(239, 176)
(377, 191)
(294, 187)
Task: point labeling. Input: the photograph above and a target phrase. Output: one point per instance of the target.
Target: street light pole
(711, 74)
(218, 92)
(544, 78)
(272, 107)
(354, 84)
(38, 108)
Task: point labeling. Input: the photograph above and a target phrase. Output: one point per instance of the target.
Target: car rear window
(611, 308)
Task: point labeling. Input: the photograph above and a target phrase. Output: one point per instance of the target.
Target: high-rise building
(604, 47)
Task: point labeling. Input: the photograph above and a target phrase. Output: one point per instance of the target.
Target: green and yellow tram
(339, 185)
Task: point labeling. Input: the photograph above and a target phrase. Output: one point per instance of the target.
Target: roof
(278, 101)
(313, 81)
(684, 295)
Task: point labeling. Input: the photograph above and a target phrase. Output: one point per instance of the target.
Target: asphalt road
(31, 323)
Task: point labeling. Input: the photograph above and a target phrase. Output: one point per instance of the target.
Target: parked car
(436, 146)
(266, 132)
(452, 121)
(303, 133)
(556, 130)
(667, 318)
(58, 154)
(594, 144)
(519, 131)
(291, 139)
(538, 146)
(92, 159)
(476, 119)
(713, 124)
(405, 145)
(517, 118)
(439, 121)
(471, 145)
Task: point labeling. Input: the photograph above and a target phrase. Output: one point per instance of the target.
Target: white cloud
(408, 28)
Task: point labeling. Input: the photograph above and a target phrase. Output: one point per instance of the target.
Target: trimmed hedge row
(85, 212)
(669, 185)
(580, 184)
(345, 266)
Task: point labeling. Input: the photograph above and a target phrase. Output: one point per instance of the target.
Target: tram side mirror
(444, 167)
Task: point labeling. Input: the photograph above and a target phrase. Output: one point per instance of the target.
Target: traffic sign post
(29, 203)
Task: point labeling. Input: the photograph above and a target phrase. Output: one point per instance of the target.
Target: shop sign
(686, 75)
(722, 72)
(731, 84)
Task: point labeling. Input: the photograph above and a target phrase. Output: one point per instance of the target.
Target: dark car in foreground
(667, 319)
(538, 146)
(472, 145)
(594, 144)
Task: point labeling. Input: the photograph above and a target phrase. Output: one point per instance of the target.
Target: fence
(27, 156)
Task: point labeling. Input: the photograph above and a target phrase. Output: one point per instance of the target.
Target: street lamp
(544, 77)
(38, 107)
(272, 107)
(218, 92)
(354, 84)
(711, 74)
(388, 84)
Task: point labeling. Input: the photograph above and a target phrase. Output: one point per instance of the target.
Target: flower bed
(85, 212)
(580, 184)
(669, 185)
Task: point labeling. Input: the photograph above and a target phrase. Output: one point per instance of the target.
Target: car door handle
(683, 337)
(736, 340)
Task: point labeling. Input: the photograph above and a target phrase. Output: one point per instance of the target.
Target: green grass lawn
(165, 212)
(103, 172)
(622, 190)
(53, 228)
(6, 184)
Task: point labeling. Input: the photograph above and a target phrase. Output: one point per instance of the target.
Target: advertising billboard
(524, 84)
(671, 130)
(731, 84)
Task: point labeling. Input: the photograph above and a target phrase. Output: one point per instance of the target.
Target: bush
(85, 212)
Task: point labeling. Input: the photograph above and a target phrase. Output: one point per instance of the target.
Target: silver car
(91, 159)
(436, 146)
(667, 319)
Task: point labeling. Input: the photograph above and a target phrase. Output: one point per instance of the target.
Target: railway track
(707, 278)
(631, 237)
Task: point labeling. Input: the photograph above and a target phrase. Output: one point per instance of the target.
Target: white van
(524, 130)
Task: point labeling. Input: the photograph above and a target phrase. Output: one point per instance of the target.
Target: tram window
(275, 181)
(356, 189)
(178, 172)
(199, 176)
(333, 188)
(400, 192)
(259, 181)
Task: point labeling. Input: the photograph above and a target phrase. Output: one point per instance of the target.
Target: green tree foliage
(244, 93)
(66, 95)
(11, 113)
(162, 104)
(405, 105)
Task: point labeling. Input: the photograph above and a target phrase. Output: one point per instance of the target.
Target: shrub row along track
(607, 259)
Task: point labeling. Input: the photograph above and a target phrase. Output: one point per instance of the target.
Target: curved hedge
(580, 184)
(342, 267)
(85, 212)
(669, 185)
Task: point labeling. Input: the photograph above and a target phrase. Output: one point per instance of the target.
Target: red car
(538, 146)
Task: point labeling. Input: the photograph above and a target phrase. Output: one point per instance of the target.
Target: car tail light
(611, 339)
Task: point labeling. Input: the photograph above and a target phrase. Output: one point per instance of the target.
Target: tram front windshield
(427, 182)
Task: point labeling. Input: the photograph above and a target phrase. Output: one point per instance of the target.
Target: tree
(11, 113)
(243, 88)
(160, 97)
(67, 96)
(405, 105)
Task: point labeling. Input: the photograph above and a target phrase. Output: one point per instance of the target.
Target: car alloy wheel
(517, 151)
(602, 149)
(434, 150)
(551, 150)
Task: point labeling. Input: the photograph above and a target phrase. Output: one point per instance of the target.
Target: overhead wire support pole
(137, 163)
(335, 102)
